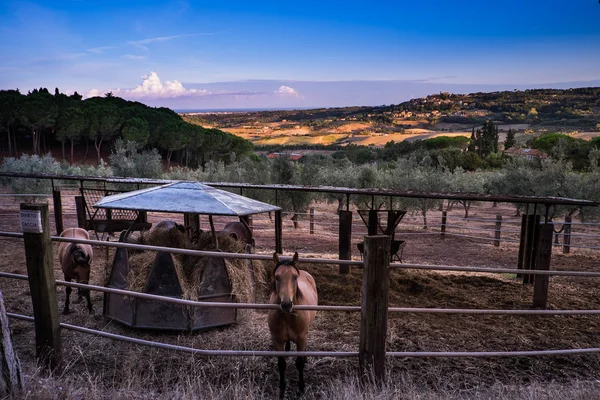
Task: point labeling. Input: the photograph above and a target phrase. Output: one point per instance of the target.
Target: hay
(139, 270)
(190, 269)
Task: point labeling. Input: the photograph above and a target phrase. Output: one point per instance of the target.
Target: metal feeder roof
(186, 197)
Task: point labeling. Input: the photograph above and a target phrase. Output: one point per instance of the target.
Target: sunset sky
(276, 54)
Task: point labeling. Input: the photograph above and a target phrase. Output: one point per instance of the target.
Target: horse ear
(295, 258)
(276, 258)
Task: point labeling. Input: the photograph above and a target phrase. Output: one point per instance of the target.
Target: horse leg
(300, 361)
(281, 364)
(89, 301)
(68, 290)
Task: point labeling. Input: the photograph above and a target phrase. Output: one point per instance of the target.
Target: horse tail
(288, 345)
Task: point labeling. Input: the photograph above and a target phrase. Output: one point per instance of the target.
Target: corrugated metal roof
(186, 197)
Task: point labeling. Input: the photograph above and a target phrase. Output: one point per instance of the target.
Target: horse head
(80, 263)
(285, 282)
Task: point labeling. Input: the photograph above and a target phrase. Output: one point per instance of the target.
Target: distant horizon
(260, 54)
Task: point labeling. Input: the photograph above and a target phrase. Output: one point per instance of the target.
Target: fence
(500, 230)
(374, 308)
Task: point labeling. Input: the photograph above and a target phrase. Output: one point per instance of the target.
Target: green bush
(126, 161)
(27, 164)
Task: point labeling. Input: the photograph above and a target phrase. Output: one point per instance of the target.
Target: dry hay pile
(190, 269)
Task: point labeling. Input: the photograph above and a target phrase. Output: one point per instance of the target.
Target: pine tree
(510, 139)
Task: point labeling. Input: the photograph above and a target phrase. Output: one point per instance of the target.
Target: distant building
(530, 154)
(291, 156)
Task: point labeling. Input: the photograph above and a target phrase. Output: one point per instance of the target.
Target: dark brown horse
(75, 260)
(291, 286)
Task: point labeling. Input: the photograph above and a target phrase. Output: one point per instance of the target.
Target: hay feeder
(164, 273)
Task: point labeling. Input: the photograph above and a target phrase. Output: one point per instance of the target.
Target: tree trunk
(295, 220)
(98, 145)
(44, 142)
(34, 142)
(87, 147)
(10, 369)
(340, 206)
(467, 206)
(9, 140)
(169, 154)
(424, 213)
(62, 142)
(71, 150)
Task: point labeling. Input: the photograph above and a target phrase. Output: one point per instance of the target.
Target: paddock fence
(571, 235)
(374, 308)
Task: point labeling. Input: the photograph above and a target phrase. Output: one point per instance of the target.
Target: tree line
(38, 120)
(415, 172)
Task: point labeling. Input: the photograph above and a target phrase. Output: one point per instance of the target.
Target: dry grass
(104, 369)
(100, 368)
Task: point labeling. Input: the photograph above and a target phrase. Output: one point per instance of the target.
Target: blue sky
(239, 54)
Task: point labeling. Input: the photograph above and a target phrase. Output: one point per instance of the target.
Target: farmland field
(105, 369)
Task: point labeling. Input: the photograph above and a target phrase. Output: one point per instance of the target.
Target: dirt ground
(110, 363)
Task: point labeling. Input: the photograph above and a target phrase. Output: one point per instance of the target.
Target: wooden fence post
(542, 262)
(443, 228)
(567, 235)
(312, 221)
(57, 204)
(191, 222)
(374, 307)
(38, 254)
(497, 230)
(80, 208)
(11, 379)
(345, 239)
(278, 230)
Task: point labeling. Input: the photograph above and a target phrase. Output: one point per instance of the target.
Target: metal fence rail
(336, 354)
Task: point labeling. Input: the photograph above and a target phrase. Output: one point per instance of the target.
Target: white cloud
(152, 88)
(286, 91)
(142, 43)
(101, 49)
(134, 57)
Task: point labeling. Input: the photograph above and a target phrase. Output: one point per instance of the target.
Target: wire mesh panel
(92, 196)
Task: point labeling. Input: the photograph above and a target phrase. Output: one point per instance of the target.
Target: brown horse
(291, 287)
(238, 231)
(75, 259)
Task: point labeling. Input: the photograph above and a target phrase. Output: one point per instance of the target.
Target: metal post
(57, 204)
(522, 243)
(80, 208)
(567, 235)
(278, 230)
(373, 220)
(374, 314)
(542, 262)
(345, 239)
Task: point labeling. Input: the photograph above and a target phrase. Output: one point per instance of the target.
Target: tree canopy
(38, 120)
